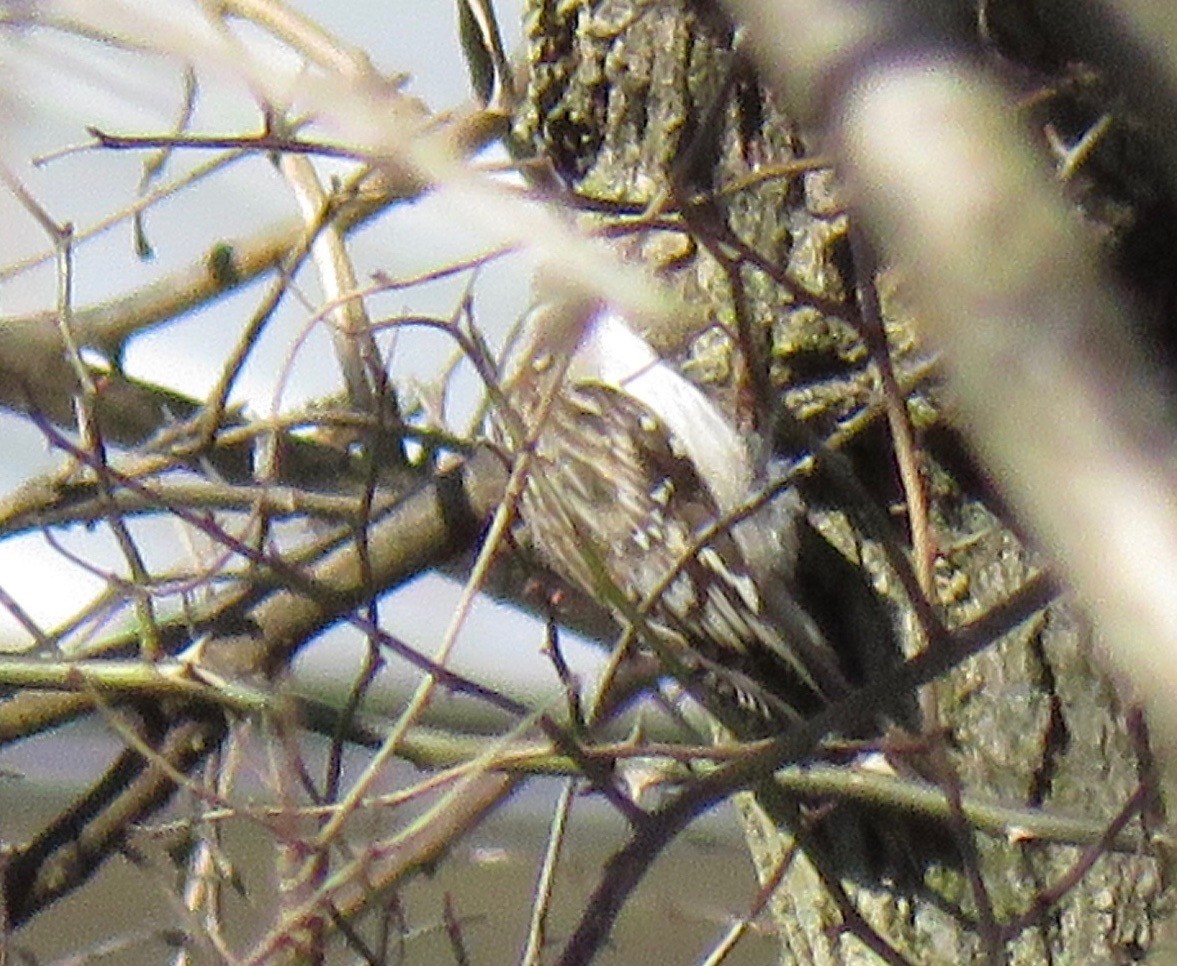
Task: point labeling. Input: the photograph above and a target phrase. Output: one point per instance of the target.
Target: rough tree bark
(645, 106)
(641, 103)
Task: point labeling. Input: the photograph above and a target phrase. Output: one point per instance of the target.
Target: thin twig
(541, 904)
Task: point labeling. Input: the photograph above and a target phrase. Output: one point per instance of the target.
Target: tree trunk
(644, 105)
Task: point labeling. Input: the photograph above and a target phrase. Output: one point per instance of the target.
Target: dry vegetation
(968, 324)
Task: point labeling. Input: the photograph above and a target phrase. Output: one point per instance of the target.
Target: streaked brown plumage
(630, 463)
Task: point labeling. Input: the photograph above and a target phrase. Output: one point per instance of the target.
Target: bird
(633, 471)
(635, 491)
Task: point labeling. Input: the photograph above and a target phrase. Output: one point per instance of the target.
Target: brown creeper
(630, 462)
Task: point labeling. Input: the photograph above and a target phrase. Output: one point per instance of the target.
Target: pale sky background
(57, 86)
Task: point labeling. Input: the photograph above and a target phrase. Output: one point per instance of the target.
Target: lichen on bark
(620, 93)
